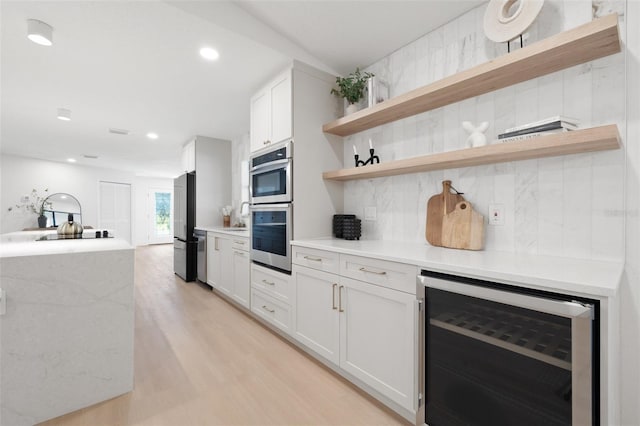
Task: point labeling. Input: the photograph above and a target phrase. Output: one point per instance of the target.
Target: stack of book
(548, 126)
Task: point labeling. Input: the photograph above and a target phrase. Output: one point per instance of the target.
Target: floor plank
(201, 361)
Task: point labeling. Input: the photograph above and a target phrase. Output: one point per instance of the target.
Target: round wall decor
(505, 20)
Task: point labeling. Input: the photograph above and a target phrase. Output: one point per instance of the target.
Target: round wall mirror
(58, 206)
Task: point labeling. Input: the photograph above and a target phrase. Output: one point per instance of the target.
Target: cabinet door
(280, 91)
(189, 157)
(315, 318)
(260, 121)
(226, 265)
(377, 338)
(241, 288)
(213, 260)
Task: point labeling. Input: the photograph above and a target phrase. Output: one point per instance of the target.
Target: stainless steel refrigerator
(184, 218)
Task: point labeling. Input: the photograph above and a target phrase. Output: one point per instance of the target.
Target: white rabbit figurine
(476, 134)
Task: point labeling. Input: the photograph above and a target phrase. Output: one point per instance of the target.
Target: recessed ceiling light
(39, 32)
(64, 114)
(152, 135)
(71, 160)
(209, 54)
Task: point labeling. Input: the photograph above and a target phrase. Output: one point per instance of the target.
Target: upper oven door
(271, 182)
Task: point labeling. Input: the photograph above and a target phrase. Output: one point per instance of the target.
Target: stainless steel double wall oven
(271, 188)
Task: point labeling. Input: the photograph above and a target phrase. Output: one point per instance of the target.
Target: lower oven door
(271, 232)
(490, 356)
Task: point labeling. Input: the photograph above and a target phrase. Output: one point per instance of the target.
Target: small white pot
(351, 108)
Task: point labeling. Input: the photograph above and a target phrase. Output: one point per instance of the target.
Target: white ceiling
(135, 65)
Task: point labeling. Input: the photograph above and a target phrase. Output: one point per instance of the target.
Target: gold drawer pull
(268, 283)
(267, 309)
(333, 299)
(340, 298)
(315, 259)
(239, 242)
(241, 253)
(373, 272)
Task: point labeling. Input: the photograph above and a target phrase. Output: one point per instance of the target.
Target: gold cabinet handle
(239, 242)
(340, 298)
(268, 282)
(240, 253)
(373, 272)
(315, 259)
(267, 309)
(333, 296)
(215, 243)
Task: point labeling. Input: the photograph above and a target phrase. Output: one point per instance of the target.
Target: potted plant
(35, 204)
(352, 88)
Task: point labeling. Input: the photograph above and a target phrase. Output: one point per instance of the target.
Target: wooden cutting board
(438, 206)
(463, 228)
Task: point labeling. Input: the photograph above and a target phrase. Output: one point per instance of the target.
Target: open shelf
(585, 43)
(574, 142)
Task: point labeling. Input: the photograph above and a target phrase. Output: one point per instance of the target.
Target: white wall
(142, 206)
(585, 206)
(630, 287)
(20, 175)
(570, 206)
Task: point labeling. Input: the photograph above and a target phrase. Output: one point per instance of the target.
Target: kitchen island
(66, 325)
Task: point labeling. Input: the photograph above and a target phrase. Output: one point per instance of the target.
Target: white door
(213, 261)
(316, 320)
(160, 218)
(377, 338)
(115, 209)
(226, 265)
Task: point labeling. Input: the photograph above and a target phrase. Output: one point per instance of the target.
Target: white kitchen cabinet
(316, 317)
(377, 338)
(363, 327)
(271, 295)
(219, 256)
(271, 113)
(228, 266)
(241, 267)
(189, 157)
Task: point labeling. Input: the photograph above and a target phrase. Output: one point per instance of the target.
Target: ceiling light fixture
(71, 160)
(39, 32)
(152, 135)
(64, 114)
(209, 54)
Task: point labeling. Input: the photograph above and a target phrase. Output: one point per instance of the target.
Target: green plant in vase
(352, 88)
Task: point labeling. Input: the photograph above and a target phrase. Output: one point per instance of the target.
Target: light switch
(370, 213)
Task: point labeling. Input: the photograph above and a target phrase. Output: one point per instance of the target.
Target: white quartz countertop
(23, 243)
(236, 232)
(550, 273)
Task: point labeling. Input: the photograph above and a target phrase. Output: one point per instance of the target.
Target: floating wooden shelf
(575, 142)
(585, 43)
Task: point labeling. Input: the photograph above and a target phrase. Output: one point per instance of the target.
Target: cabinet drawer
(272, 310)
(317, 259)
(275, 284)
(240, 244)
(397, 276)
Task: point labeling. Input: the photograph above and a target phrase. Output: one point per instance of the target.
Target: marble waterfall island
(66, 335)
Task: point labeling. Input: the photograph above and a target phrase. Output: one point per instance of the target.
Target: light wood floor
(200, 361)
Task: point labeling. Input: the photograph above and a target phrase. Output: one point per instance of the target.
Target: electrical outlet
(496, 214)
(370, 213)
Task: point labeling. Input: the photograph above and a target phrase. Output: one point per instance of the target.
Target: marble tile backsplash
(569, 206)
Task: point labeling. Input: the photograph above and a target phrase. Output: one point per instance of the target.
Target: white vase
(351, 108)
